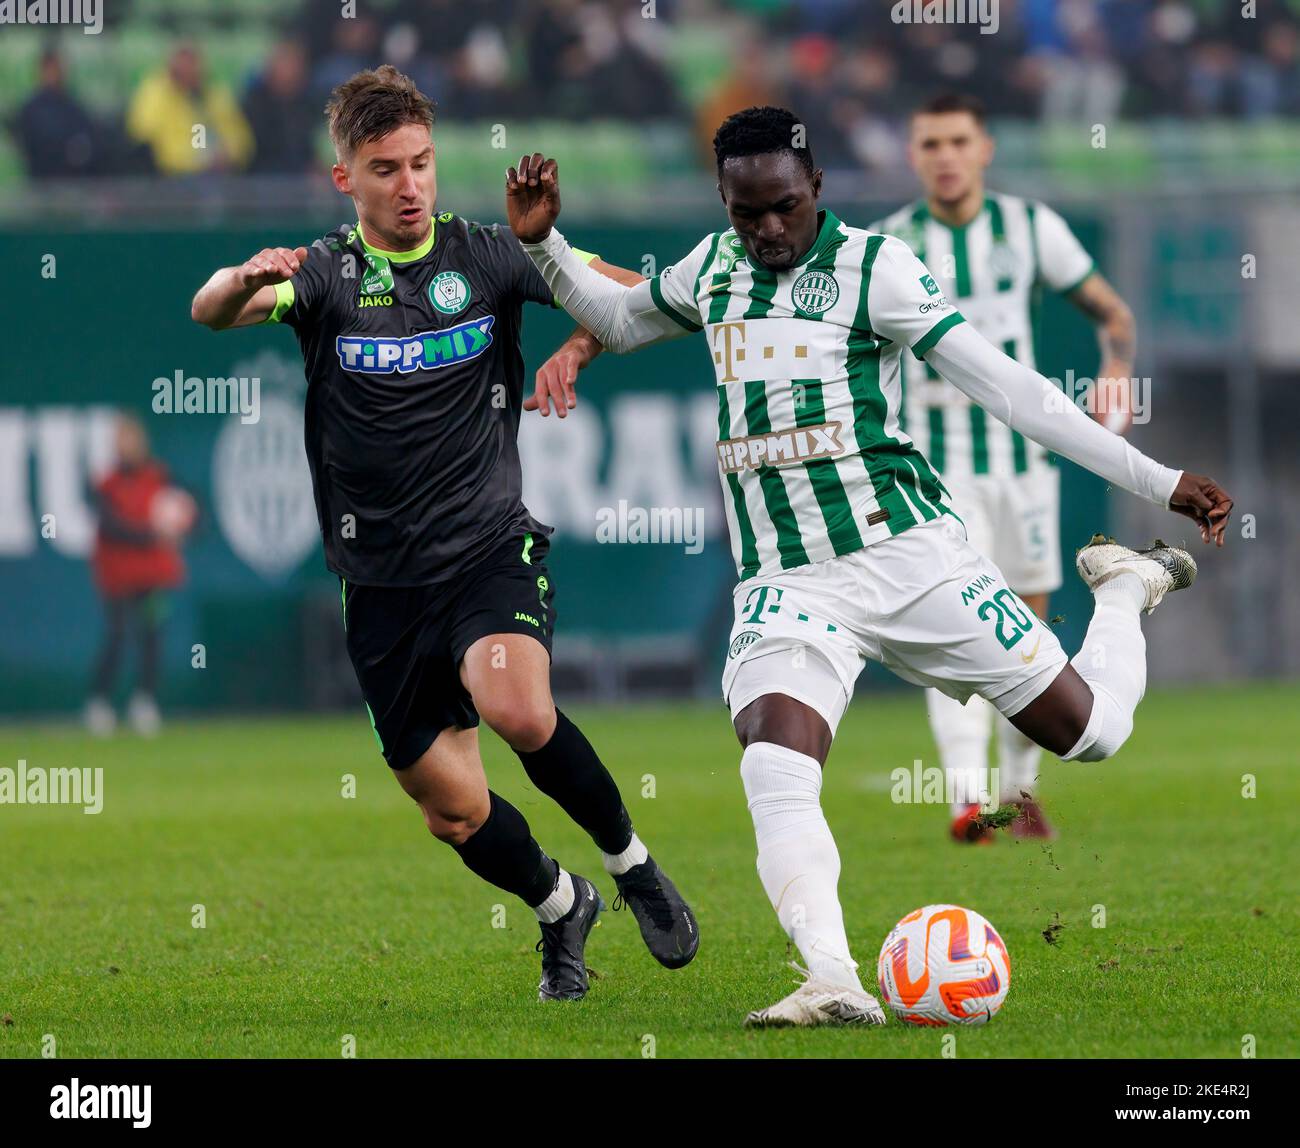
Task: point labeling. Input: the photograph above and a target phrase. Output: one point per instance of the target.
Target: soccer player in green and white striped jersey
(845, 543)
(993, 255)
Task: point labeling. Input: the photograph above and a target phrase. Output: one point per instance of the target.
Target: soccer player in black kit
(409, 327)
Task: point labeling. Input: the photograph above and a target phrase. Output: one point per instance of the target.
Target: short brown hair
(948, 102)
(371, 104)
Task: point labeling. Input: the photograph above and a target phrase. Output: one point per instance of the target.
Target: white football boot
(1162, 569)
(816, 1003)
(144, 716)
(99, 717)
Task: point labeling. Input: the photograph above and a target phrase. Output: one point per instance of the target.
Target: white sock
(634, 854)
(1018, 758)
(797, 859)
(1113, 661)
(559, 902)
(962, 734)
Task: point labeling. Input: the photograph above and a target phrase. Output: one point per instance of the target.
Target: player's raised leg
(493, 839)
(508, 676)
(1087, 711)
(969, 633)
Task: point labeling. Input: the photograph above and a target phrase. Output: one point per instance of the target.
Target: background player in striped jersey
(845, 544)
(993, 254)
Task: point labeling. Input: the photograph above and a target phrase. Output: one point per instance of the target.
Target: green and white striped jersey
(994, 269)
(813, 460)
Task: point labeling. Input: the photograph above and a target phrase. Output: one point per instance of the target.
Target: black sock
(568, 771)
(504, 854)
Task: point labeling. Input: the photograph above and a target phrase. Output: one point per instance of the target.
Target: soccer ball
(944, 965)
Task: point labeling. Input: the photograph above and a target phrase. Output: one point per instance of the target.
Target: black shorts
(406, 643)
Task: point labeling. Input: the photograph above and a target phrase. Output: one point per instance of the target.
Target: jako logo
(77, 1101)
(423, 352)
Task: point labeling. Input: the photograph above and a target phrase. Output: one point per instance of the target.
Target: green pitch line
(328, 916)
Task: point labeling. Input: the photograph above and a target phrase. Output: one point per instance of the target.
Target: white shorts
(924, 603)
(1016, 520)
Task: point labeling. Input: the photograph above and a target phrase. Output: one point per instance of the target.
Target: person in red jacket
(142, 520)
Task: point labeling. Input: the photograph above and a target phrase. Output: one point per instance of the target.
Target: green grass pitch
(328, 916)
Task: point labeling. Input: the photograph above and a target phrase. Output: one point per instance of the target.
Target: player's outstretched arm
(1029, 403)
(244, 295)
(622, 318)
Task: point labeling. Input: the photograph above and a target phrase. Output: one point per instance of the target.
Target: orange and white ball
(944, 965)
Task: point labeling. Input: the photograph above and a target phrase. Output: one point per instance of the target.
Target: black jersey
(415, 387)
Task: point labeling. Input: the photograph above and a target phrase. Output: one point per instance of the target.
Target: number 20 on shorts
(1012, 620)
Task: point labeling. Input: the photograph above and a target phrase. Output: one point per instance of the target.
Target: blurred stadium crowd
(256, 75)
